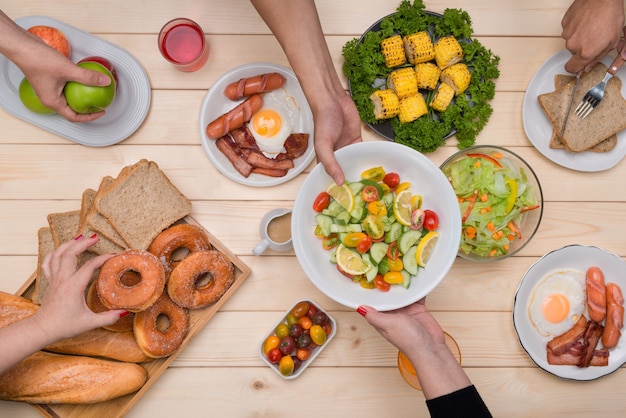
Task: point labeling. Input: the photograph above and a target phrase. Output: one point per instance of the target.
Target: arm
(415, 332)
(591, 29)
(297, 27)
(46, 69)
(63, 312)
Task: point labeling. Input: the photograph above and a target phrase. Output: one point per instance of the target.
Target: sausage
(614, 316)
(596, 294)
(234, 118)
(251, 85)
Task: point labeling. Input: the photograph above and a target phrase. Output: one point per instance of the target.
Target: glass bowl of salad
(387, 236)
(500, 201)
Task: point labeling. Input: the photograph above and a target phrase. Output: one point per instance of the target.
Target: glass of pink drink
(182, 42)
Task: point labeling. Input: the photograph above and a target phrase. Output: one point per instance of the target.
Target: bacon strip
(272, 172)
(234, 155)
(562, 343)
(244, 139)
(296, 145)
(593, 333)
(259, 160)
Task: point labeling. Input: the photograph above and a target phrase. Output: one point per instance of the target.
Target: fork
(596, 93)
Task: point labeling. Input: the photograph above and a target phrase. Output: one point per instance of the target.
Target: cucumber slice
(338, 228)
(378, 251)
(343, 217)
(383, 266)
(355, 187)
(395, 230)
(324, 222)
(408, 239)
(373, 271)
(409, 262)
(354, 228)
(407, 279)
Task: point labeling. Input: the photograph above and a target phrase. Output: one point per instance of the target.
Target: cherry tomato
(364, 245)
(353, 238)
(287, 345)
(282, 330)
(318, 232)
(305, 322)
(303, 353)
(291, 319)
(320, 318)
(392, 251)
(431, 220)
(295, 330)
(318, 335)
(330, 241)
(392, 180)
(286, 366)
(365, 284)
(304, 341)
(381, 284)
(300, 309)
(327, 328)
(274, 355)
(375, 174)
(393, 277)
(377, 208)
(373, 226)
(321, 202)
(396, 265)
(271, 341)
(348, 275)
(312, 310)
(370, 194)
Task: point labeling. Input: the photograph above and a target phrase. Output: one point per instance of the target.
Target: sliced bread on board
(607, 119)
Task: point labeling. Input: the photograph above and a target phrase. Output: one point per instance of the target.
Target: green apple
(89, 99)
(30, 100)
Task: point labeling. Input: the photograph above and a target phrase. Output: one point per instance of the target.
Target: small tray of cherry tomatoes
(297, 338)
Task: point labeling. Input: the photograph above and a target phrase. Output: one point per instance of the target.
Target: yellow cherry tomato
(270, 342)
(365, 284)
(353, 238)
(318, 335)
(377, 208)
(286, 366)
(403, 186)
(393, 277)
(396, 265)
(375, 174)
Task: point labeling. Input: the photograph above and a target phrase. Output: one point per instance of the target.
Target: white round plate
(123, 117)
(425, 178)
(216, 104)
(539, 129)
(571, 257)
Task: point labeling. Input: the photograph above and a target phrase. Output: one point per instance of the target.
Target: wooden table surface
(219, 373)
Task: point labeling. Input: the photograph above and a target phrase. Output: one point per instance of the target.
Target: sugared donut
(161, 329)
(95, 304)
(177, 237)
(200, 279)
(117, 293)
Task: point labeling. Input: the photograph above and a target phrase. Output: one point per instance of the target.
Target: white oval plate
(216, 104)
(123, 117)
(571, 257)
(425, 178)
(539, 129)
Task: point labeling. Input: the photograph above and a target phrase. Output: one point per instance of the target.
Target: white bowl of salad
(386, 237)
(500, 201)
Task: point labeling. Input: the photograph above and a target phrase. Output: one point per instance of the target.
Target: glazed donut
(161, 329)
(95, 304)
(115, 293)
(174, 238)
(200, 279)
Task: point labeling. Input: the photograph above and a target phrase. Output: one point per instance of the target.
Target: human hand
(337, 124)
(409, 329)
(591, 29)
(64, 312)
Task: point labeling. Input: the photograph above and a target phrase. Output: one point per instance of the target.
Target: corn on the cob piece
(448, 51)
(443, 97)
(403, 82)
(427, 75)
(457, 76)
(412, 107)
(393, 51)
(419, 47)
(386, 104)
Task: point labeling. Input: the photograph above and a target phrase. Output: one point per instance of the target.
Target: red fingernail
(125, 313)
(93, 236)
(361, 310)
(78, 237)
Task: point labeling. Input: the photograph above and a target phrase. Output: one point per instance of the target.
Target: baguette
(44, 378)
(15, 308)
(607, 119)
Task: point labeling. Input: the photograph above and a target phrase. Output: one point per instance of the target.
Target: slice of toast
(63, 226)
(606, 145)
(94, 221)
(607, 119)
(45, 245)
(141, 203)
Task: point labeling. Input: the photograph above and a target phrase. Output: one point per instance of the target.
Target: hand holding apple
(107, 64)
(89, 99)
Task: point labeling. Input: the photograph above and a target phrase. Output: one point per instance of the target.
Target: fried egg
(557, 302)
(274, 122)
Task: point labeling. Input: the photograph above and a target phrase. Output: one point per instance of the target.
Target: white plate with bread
(123, 117)
(216, 103)
(539, 128)
(569, 262)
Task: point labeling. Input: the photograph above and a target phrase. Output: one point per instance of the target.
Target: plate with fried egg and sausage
(550, 301)
(284, 112)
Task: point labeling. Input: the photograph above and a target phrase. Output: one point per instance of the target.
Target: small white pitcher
(275, 231)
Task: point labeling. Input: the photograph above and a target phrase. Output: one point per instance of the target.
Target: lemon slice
(350, 261)
(343, 195)
(425, 248)
(402, 207)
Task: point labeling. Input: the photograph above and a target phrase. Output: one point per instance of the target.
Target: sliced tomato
(377, 208)
(381, 284)
(364, 245)
(321, 202)
(392, 251)
(373, 226)
(352, 239)
(330, 241)
(375, 174)
(370, 194)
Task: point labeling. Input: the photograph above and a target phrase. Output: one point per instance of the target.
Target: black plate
(384, 128)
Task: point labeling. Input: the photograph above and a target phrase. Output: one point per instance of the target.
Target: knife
(571, 101)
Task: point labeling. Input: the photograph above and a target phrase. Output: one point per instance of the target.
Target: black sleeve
(464, 403)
